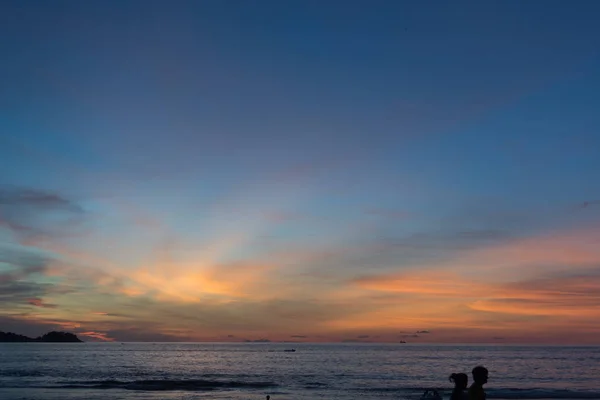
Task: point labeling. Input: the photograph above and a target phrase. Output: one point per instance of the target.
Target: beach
(253, 370)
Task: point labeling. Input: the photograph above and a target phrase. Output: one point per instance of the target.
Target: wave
(21, 373)
(505, 393)
(541, 394)
(411, 393)
(165, 385)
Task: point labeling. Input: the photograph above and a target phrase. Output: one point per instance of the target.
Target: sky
(318, 171)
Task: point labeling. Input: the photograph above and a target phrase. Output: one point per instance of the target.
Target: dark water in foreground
(314, 371)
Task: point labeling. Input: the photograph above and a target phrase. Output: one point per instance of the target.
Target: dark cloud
(413, 335)
(587, 204)
(362, 336)
(13, 196)
(31, 213)
(495, 215)
(17, 283)
(107, 314)
(384, 248)
(24, 261)
(299, 336)
(458, 240)
(40, 303)
(230, 336)
(18, 293)
(423, 332)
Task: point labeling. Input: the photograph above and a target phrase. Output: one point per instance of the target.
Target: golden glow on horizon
(504, 284)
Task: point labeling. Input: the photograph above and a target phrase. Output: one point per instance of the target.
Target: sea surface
(315, 371)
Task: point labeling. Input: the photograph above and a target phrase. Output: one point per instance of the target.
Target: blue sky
(326, 140)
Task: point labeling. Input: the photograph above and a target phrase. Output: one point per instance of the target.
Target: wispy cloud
(587, 204)
(40, 303)
(30, 214)
(98, 336)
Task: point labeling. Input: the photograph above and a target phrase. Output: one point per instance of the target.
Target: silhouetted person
(480, 378)
(460, 381)
(268, 397)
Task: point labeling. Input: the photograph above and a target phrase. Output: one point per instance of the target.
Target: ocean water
(315, 371)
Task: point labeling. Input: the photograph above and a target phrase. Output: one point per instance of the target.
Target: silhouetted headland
(50, 337)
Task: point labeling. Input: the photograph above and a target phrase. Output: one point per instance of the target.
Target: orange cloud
(431, 283)
(40, 303)
(544, 279)
(531, 256)
(192, 283)
(97, 335)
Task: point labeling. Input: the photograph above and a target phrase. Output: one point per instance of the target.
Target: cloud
(363, 337)
(282, 217)
(523, 284)
(150, 334)
(587, 204)
(299, 336)
(565, 295)
(98, 336)
(422, 332)
(386, 213)
(23, 260)
(40, 303)
(17, 284)
(35, 198)
(111, 314)
(31, 213)
(431, 283)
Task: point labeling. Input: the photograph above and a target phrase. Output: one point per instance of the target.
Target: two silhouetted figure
(461, 381)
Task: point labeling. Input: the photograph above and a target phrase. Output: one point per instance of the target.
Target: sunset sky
(301, 170)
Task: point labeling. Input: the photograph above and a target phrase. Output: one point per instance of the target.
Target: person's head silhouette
(480, 375)
(460, 380)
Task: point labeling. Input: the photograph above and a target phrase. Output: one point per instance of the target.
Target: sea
(314, 371)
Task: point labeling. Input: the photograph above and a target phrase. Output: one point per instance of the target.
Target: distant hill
(50, 337)
(13, 337)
